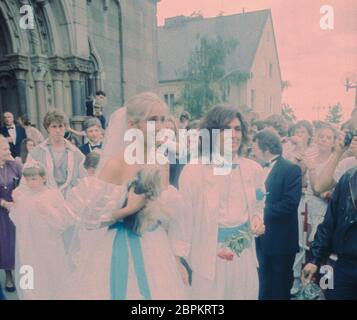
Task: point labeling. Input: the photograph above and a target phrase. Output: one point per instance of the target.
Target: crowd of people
(93, 226)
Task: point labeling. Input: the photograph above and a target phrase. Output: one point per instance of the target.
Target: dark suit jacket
(102, 121)
(85, 148)
(89, 108)
(20, 135)
(283, 187)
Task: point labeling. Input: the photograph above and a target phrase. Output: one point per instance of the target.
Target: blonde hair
(141, 105)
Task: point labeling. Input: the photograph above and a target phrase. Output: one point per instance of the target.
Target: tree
(288, 113)
(334, 114)
(196, 14)
(285, 85)
(206, 82)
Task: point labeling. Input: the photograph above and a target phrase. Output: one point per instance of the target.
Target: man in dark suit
(93, 130)
(94, 107)
(276, 249)
(13, 133)
(338, 234)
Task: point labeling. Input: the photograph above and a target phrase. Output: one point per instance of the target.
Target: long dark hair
(25, 120)
(309, 128)
(23, 149)
(218, 118)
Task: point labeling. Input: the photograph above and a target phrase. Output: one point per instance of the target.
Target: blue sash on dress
(120, 263)
(225, 233)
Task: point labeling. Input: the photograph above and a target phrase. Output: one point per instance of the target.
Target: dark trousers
(344, 281)
(2, 296)
(275, 276)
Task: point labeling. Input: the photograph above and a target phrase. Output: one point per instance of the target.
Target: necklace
(4, 180)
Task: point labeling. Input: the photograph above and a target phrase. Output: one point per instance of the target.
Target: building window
(271, 104)
(252, 98)
(91, 80)
(170, 99)
(270, 70)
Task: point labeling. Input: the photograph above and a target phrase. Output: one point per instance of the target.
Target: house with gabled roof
(255, 54)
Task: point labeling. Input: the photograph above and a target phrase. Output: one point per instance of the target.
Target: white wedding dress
(93, 250)
(41, 264)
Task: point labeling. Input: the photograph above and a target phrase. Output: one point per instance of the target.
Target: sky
(316, 62)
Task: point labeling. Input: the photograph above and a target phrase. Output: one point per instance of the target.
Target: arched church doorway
(8, 86)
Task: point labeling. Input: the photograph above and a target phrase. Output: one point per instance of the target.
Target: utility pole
(350, 85)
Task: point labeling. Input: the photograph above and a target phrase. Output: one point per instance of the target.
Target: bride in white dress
(109, 261)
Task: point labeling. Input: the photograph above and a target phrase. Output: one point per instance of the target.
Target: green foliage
(288, 113)
(205, 80)
(334, 114)
(237, 243)
(285, 85)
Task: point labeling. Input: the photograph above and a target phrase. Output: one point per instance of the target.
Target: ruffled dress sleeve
(94, 201)
(46, 208)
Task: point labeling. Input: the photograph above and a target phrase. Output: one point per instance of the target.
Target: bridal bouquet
(236, 244)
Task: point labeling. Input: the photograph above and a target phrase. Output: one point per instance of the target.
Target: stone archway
(93, 81)
(9, 100)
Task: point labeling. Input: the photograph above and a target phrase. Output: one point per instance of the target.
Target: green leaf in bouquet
(237, 243)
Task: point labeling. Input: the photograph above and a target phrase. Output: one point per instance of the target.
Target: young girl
(40, 216)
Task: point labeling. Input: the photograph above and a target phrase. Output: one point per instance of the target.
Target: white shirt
(268, 169)
(12, 133)
(95, 146)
